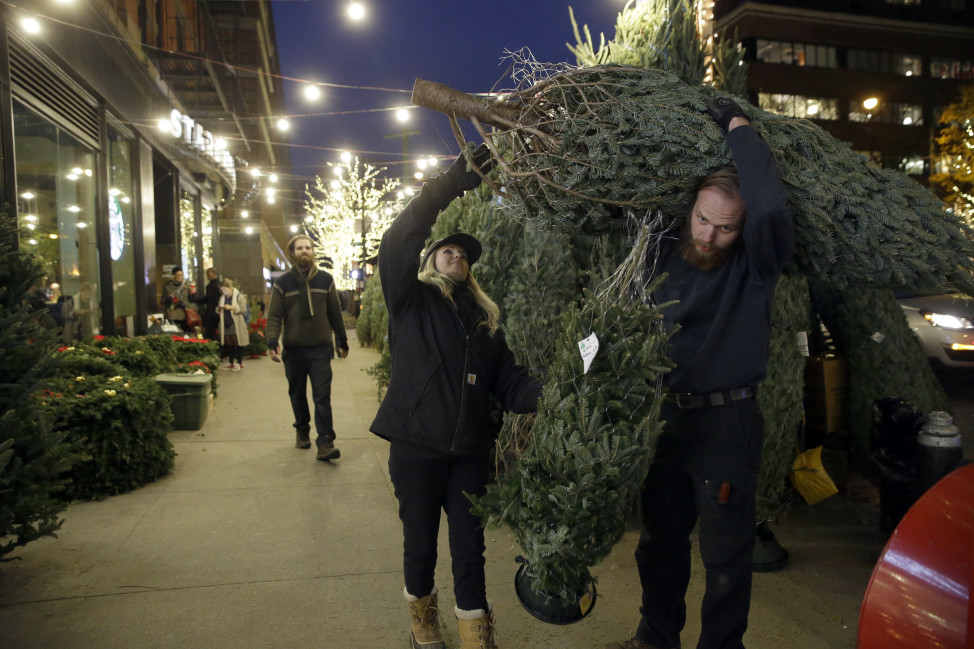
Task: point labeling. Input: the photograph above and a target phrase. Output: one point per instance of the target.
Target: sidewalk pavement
(251, 543)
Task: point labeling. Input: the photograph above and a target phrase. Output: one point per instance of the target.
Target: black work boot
(327, 451)
(304, 438)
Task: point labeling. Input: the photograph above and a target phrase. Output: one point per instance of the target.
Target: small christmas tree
(571, 491)
(34, 460)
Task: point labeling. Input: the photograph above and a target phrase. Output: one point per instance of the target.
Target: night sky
(460, 43)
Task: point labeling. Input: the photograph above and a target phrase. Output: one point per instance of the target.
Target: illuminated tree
(348, 215)
(188, 237)
(954, 164)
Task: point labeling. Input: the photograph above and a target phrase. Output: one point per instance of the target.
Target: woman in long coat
(234, 333)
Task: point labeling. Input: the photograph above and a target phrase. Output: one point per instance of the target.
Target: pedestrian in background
(175, 298)
(209, 300)
(449, 356)
(304, 303)
(234, 335)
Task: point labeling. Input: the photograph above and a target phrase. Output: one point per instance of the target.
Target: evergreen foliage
(365, 326)
(781, 394)
(543, 282)
(34, 458)
(373, 327)
(571, 491)
(884, 358)
(500, 237)
(118, 421)
(656, 34)
(579, 145)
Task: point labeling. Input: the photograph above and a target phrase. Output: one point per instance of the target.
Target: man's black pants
(425, 486)
(700, 451)
(300, 364)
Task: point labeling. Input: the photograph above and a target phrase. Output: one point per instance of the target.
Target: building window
(887, 113)
(907, 65)
(913, 165)
(799, 106)
(189, 237)
(121, 226)
(803, 54)
(206, 237)
(56, 212)
(951, 69)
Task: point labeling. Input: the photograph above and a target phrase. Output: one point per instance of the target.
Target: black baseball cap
(469, 244)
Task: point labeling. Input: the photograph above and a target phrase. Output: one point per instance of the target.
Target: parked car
(944, 324)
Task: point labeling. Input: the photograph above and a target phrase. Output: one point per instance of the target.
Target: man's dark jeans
(300, 364)
(700, 451)
(424, 486)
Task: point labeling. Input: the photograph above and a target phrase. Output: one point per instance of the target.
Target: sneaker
(327, 451)
(303, 439)
(236, 368)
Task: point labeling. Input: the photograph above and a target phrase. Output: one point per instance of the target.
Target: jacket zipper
(463, 378)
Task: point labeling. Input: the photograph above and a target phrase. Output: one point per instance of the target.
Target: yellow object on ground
(809, 477)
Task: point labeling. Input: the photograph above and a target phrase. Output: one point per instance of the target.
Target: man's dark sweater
(303, 326)
(724, 314)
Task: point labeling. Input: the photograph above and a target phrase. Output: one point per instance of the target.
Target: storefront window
(188, 236)
(206, 236)
(121, 224)
(56, 209)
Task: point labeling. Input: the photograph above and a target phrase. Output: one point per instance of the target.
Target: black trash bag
(893, 441)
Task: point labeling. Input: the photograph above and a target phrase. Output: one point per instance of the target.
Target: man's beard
(705, 261)
(304, 263)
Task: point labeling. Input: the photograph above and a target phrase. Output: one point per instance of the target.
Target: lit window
(789, 53)
(823, 108)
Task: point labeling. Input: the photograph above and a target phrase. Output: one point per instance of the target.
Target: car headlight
(947, 321)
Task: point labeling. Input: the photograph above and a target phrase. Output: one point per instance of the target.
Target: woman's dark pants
(424, 487)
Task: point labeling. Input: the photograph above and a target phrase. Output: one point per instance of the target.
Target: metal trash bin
(190, 398)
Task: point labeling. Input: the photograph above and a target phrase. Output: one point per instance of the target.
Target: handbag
(193, 319)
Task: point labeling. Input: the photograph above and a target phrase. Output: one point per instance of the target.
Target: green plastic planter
(190, 398)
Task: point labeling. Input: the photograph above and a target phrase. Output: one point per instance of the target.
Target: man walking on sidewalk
(304, 302)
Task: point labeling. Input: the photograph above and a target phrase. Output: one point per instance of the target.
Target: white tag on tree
(588, 349)
(803, 343)
(878, 337)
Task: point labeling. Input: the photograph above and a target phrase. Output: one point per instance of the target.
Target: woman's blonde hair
(433, 277)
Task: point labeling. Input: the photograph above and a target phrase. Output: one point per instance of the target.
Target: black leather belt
(687, 400)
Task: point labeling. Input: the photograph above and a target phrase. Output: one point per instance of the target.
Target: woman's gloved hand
(458, 178)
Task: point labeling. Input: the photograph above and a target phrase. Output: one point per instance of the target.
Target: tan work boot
(476, 628)
(424, 633)
(303, 438)
(327, 451)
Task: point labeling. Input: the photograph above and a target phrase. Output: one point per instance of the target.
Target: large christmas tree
(34, 460)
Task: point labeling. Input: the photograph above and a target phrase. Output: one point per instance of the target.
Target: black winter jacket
(442, 374)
